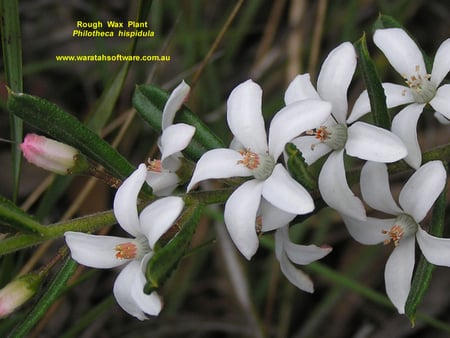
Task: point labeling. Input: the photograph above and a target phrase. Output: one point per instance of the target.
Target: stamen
(395, 234)
(126, 251)
(259, 224)
(250, 159)
(154, 165)
(423, 89)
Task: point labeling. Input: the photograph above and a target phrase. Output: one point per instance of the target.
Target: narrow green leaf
(424, 270)
(64, 127)
(166, 258)
(386, 21)
(149, 102)
(13, 216)
(12, 62)
(51, 294)
(373, 83)
(298, 168)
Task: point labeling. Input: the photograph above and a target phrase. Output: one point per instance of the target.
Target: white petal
(441, 118)
(301, 254)
(125, 201)
(436, 250)
(299, 89)
(272, 217)
(95, 251)
(422, 189)
(174, 102)
(244, 116)
(159, 216)
(162, 183)
(240, 217)
(368, 232)
(335, 77)
(311, 148)
(375, 188)
(174, 139)
(334, 187)
(401, 51)
(441, 64)
(404, 125)
(285, 193)
(294, 275)
(398, 273)
(295, 119)
(124, 291)
(396, 95)
(441, 101)
(372, 143)
(218, 163)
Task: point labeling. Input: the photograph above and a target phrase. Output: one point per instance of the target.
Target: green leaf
(149, 102)
(13, 216)
(424, 270)
(64, 127)
(373, 83)
(298, 168)
(386, 21)
(12, 62)
(166, 258)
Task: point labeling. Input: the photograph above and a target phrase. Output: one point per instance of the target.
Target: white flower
(162, 175)
(360, 140)
(257, 157)
(421, 88)
(416, 199)
(288, 252)
(110, 251)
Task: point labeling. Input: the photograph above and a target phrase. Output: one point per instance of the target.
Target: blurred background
(270, 42)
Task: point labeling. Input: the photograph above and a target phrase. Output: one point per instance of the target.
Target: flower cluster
(320, 124)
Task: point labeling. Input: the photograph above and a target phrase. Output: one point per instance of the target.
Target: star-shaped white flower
(162, 175)
(257, 157)
(360, 139)
(421, 88)
(105, 252)
(288, 252)
(416, 199)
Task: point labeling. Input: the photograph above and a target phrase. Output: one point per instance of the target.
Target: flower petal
(125, 289)
(174, 103)
(401, 51)
(159, 216)
(368, 232)
(272, 217)
(372, 143)
(311, 148)
(293, 120)
(218, 163)
(162, 183)
(300, 254)
(125, 201)
(436, 250)
(396, 95)
(334, 187)
(422, 189)
(441, 118)
(299, 89)
(375, 188)
(174, 139)
(285, 193)
(297, 277)
(244, 116)
(398, 273)
(335, 77)
(404, 125)
(441, 100)
(441, 64)
(240, 217)
(95, 251)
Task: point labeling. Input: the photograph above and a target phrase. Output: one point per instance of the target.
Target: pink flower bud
(18, 292)
(51, 155)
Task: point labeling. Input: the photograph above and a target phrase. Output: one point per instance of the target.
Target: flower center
(422, 89)
(154, 165)
(133, 249)
(261, 165)
(334, 136)
(404, 226)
